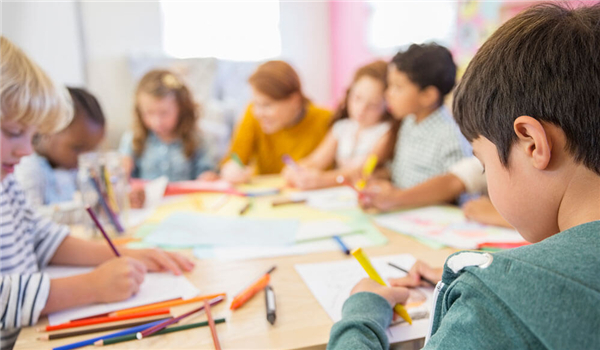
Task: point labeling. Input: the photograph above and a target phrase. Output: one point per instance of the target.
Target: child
(428, 142)
(165, 139)
(362, 128)
(49, 175)
(465, 176)
(279, 121)
(31, 103)
(528, 102)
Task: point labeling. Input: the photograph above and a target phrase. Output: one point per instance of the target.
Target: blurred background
(106, 46)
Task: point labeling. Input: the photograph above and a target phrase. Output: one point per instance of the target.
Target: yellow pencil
(368, 168)
(370, 270)
(109, 191)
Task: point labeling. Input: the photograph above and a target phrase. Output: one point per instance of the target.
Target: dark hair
(277, 79)
(428, 65)
(85, 102)
(162, 83)
(543, 63)
(376, 70)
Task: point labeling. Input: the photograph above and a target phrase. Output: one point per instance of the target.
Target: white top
(470, 173)
(354, 145)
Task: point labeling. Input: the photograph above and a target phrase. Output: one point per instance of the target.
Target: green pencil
(237, 159)
(129, 337)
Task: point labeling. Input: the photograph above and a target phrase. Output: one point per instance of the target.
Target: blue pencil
(127, 331)
(342, 245)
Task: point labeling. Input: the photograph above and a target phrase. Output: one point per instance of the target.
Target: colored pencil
(97, 329)
(289, 161)
(368, 168)
(341, 244)
(111, 215)
(83, 343)
(211, 323)
(237, 160)
(147, 332)
(99, 225)
(364, 261)
(165, 304)
(286, 201)
(106, 319)
(164, 331)
(404, 270)
(246, 207)
(256, 286)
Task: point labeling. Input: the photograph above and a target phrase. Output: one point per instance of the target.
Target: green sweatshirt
(546, 295)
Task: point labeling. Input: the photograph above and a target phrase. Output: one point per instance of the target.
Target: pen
(270, 304)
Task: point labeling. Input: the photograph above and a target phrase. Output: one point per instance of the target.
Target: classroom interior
(273, 263)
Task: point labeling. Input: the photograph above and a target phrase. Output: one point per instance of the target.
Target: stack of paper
(332, 282)
(448, 226)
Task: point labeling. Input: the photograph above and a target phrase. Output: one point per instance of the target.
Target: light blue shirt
(43, 184)
(166, 159)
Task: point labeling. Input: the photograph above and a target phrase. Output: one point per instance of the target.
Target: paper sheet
(331, 283)
(446, 225)
(311, 230)
(195, 229)
(336, 198)
(156, 287)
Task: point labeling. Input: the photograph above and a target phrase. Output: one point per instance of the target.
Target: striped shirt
(426, 149)
(27, 244)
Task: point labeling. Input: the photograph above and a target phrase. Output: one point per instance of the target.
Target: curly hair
(161, 83)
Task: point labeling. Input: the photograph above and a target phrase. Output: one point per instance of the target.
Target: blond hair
(28, 95)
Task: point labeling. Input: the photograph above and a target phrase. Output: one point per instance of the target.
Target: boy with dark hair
(529, 103)
(428, 141)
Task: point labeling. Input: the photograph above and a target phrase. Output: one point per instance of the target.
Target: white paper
(156, 287)
(311, 230)
(446, 225)
(336, 198)
(154, 191)
(332, 282)
(259, 252)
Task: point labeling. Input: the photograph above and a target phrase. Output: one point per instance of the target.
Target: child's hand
(117, 279)
(379, 194)
(137, 197)
(394, 295)
(305, 179)
(415, 275)
(157, 260)
(208, 176)
(234, 173)
(483, 211)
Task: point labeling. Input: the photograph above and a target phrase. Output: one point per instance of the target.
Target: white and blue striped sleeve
(22, 299)
(48, 236)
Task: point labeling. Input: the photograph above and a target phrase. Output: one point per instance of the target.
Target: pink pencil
(110, 243)
(158, 327)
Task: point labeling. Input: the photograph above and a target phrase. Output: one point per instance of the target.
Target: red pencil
(98, 320)
(211, 324)
(158, 327)
(110, 243)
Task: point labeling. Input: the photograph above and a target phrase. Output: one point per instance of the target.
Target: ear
(429, 96)
(533, 141)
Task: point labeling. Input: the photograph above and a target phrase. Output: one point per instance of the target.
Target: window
(396, 24)
(238, 31)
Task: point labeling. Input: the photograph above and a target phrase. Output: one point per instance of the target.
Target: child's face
(403, 97)
(275, 115)
(519, 192)
(365, 101)
(63, 149)
(15, 139)
(159, 114)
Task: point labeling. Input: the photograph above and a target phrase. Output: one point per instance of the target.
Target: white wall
(47, 32)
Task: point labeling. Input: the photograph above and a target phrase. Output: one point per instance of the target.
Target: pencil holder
(103, 186)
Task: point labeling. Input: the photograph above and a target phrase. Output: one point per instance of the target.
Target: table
(301, 322)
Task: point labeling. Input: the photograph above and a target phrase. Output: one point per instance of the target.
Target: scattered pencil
(46, 337)
(246, 207)
(146, 333)
(105, 319)
(211, 323)
(286, 201)
(165, 304)
(164, 331)
(251, 290)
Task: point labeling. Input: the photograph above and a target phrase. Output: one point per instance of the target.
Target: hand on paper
(416, 274)
(234, 173)
(379, 194)
(394, 295)
(157, 260)
(117, 279)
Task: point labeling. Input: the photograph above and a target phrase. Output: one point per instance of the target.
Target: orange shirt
(253, 146)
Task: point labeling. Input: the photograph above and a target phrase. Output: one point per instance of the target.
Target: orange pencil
(249, 292)
(105, 319)
(165, 304)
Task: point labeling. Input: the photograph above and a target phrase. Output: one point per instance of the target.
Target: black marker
(270, 304)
